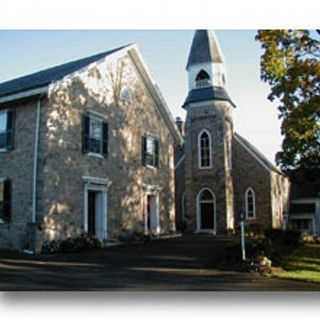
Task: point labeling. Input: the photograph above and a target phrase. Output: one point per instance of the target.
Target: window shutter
(156, 152)
(105, 133)
(10, 129)
(143, 149)
(85, 133)
(7, 200)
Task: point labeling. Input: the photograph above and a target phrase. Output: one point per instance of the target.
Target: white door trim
(100, 185)
(155, 193)
(199, 230)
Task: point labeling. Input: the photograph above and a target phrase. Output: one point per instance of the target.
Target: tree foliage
(290, 64)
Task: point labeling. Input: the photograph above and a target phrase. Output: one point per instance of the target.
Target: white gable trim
(154, 91)
(253, 154)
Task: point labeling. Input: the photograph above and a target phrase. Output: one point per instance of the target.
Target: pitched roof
(45, 77)
(261, 157)
(204, 48)
(206, 94)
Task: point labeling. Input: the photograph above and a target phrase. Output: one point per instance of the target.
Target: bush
(255, 228)
(131, 236)
(82, 243)
(286, 237)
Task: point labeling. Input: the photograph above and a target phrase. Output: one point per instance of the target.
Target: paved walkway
(185, 263)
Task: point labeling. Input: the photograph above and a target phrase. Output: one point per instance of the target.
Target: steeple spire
(205, 48)
(206, 69)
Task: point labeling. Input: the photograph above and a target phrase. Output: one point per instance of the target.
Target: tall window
(6, 130)
(204, 149)
(5, 201)
(250, 204)
(95, 135)
(150, 151)
(202, 79)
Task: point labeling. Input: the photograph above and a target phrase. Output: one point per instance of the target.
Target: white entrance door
(152, 214)
(101, 215)
(96, 213)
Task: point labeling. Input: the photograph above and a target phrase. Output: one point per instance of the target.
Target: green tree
(290, 64)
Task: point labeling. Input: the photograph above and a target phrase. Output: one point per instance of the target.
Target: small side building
(304, 213)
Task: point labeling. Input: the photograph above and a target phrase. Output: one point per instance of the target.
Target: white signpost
(243, 241)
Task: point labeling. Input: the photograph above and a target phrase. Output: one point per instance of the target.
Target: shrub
(82, 243)
(285, 237)
(50, 247)
(255, 228)
(131, 236)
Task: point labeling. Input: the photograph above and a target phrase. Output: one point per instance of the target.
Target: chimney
(180, 125)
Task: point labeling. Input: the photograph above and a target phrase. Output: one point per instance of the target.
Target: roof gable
(47, 76)
(262, 159)
(34, 82)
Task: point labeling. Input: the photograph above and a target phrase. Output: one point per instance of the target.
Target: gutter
(24, 94)
(35, 163)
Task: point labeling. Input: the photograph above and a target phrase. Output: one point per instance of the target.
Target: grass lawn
(302, 264)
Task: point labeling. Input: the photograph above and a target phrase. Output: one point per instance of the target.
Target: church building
(219, 174)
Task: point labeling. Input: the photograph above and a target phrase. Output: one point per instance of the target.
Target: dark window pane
(206, 195)
(3, 140)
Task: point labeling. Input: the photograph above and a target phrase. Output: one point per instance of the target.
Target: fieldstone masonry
(115, 90)
(212, 118)
(236, 164)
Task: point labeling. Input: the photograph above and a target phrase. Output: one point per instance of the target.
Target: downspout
(35, 164)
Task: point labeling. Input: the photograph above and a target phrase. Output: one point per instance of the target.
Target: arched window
(202, 79)
(250, 204)
(204, 149)
(206, 210)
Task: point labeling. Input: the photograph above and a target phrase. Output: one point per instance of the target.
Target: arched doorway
(206, 213)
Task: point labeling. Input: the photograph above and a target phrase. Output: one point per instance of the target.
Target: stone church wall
(248, 172)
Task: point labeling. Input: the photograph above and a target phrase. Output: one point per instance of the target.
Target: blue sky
(165, 52)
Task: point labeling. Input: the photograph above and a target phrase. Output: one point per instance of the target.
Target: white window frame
(254, 203)
(153, 138)
(5, 112)
(199, 149)
(96, 117)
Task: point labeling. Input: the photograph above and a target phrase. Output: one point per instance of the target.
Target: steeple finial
(205, 48)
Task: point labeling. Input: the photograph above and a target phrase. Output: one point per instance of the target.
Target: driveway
(185, 263)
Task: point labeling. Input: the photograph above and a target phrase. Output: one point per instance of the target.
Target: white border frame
(199, 230)
(199, 149)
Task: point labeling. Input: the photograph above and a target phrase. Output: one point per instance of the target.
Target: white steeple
(205, 65)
